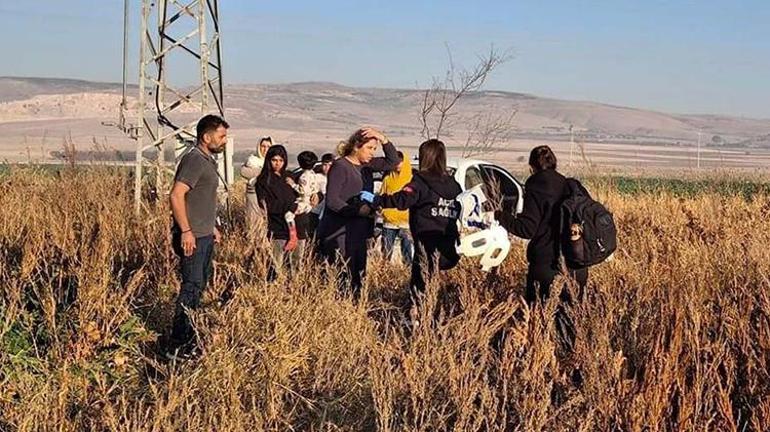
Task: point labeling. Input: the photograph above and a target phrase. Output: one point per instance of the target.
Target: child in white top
(309, 182)
(309, 185)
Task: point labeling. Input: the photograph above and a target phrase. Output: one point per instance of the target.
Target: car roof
(458, 162)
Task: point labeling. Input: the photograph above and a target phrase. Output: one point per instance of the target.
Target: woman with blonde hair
(348, 220)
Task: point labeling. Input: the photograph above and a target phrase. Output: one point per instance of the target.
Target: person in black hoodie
(277, 197)
(539, 222)
(431, 198)
(348, 221)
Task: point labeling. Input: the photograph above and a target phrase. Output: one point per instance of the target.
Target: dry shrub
(674, 334)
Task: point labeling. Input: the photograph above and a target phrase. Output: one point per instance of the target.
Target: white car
(472, 172)
(491, 246)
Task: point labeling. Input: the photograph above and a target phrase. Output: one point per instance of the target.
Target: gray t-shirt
(199, 171)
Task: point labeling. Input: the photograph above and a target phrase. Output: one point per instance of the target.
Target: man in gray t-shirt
(198, 171)
(193, 204)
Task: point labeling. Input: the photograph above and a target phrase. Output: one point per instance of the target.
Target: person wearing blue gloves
(348, 220)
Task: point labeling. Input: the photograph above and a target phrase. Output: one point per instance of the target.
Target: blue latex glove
(367, 196)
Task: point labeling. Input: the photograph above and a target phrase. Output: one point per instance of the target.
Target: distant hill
(329, 106)
(19, 88)
(39, 115)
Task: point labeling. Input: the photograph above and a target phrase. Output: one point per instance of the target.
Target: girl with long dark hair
(431, 198)
(278, 199)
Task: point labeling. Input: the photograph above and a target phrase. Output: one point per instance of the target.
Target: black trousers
(306, 225)
(195, 270)
(312, 225)
(352, 247)
(539, 280)
(429, 251)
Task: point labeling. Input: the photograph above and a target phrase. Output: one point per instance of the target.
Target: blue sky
(675, 56)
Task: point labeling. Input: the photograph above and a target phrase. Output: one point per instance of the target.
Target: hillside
(319, 114)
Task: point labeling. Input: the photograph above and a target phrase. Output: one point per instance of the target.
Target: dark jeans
(195, 270)
(389, 236)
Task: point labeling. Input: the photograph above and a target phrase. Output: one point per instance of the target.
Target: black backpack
(588, 232)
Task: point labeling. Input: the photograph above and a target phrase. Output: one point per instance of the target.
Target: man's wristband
(186, 231)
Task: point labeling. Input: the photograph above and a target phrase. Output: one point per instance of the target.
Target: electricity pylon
(167, 113)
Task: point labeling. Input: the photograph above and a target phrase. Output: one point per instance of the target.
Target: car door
(473, 177)
(501, 188)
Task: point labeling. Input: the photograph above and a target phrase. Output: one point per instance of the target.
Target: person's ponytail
(342, 148)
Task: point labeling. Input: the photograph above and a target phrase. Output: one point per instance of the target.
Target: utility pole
(698, 163)
(571, 144)
(168, 112)
(123, 104)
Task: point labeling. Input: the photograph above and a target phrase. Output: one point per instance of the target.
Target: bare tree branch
(439, 102)
(486, 130)
(428, 104)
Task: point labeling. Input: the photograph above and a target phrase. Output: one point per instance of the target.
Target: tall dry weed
(674, 334)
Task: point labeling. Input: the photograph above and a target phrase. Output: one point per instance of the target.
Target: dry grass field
(674, 334)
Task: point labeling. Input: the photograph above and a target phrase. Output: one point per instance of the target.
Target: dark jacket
(277, 198)
(433, 213)
(432, 204)
(344, 184)
(539, 221)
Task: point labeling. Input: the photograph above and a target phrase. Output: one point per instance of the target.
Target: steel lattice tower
(185, 33)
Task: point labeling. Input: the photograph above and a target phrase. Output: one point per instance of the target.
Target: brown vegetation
(674, 334)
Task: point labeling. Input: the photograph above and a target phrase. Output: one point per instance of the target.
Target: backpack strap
(573, 188)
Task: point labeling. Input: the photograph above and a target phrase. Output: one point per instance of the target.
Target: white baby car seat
(480, 234)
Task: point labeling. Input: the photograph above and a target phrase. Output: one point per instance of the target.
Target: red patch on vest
(408, 189)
